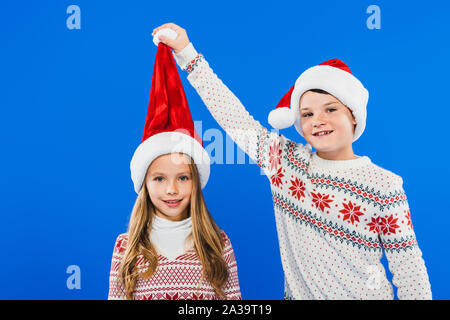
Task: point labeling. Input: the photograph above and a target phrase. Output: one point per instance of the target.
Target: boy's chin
(325, 147)
(322, 147)
(328, 145)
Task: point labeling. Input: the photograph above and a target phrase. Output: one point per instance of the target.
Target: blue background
(73, 106)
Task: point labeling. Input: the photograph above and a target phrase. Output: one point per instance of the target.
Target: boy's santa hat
(333, 76)
(169, 127)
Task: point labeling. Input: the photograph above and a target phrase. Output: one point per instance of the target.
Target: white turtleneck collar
(339, 164)
(169, 237)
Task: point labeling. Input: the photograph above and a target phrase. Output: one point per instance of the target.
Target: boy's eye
(331, 109)
(305, 115)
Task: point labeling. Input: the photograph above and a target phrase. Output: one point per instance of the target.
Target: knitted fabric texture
(333, 218)
(174, 279)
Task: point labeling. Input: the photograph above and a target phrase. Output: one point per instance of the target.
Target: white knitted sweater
(333, 217)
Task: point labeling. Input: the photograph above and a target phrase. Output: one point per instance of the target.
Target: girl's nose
(172, 188)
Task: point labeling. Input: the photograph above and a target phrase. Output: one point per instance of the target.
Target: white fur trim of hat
(166, 143)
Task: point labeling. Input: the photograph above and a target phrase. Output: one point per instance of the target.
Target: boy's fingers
(166, 40)
(172, 26)
(169, 25)
(159, 28)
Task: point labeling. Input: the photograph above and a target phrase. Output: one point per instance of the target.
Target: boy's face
(327, 124)
(169, 185)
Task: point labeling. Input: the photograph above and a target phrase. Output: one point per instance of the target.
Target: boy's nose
(318, 123)
(318, 120)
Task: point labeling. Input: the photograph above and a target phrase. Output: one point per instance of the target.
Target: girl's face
(169, 185)
(327, 125)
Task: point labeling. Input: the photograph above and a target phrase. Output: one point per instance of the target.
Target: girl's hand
(177, 44)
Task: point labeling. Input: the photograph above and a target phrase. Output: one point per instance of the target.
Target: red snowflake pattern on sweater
(374, 225)
(321, 200)
(275, 156)
(276, 178)
(388, 225)
(351, 212)
(298, 188)
(408, 220)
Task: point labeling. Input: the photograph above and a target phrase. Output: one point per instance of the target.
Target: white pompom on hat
(332, 76)
(164, 32)
(283, 117)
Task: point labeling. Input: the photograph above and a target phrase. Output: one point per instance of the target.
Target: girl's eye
(159, 179)
(184, 178)
(331, 109)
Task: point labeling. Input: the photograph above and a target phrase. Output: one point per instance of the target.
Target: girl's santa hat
(333, 76)
(169, 127)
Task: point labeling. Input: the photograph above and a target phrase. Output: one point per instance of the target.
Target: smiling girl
(335, 211)
(173, 249)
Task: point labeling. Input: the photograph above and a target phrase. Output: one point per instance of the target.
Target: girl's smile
(172, 203)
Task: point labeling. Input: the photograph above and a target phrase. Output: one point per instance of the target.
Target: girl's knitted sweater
(333, 218)
(176, 278)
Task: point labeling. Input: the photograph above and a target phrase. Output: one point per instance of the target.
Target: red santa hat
(169, 127)
(333, 76)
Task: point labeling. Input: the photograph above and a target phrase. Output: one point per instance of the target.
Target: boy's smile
(322, 133)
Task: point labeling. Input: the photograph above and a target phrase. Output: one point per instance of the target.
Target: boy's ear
(354, 120)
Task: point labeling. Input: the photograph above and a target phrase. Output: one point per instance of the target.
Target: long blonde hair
(208, 241)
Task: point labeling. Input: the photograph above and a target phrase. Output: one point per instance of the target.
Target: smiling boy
(335, 211)
(328, 125)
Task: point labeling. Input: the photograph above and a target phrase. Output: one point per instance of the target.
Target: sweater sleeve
(232, 289)
(263, 147)
(402, 250)
(116, 290)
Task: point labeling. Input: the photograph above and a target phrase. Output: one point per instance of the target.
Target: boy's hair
(320, 91)
(207, 239)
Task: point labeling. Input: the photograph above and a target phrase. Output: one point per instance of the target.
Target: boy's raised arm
(224, 106)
